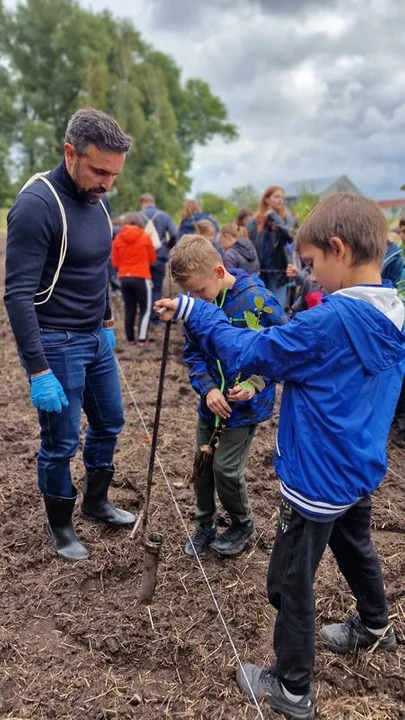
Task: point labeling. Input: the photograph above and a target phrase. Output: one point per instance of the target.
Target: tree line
(56, 56)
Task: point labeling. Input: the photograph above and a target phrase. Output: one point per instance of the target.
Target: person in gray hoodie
(239, 251)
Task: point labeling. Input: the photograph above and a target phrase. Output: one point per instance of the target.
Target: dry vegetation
(74, 642)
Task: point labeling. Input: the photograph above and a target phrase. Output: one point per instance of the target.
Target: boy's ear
(220, 271)
(338, 247)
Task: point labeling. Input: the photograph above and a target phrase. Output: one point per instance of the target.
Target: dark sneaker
(265, 685)
(202, 539)
(235, 539)
(349, 636)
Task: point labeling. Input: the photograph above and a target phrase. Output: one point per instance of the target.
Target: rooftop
(313, 185)
(387, 204)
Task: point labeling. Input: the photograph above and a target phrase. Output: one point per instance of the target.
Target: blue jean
(85, 366)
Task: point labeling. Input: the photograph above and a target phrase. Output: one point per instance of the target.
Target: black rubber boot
(60, 528)
(96, 505)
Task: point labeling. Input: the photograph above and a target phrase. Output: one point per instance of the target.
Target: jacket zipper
(222, 388)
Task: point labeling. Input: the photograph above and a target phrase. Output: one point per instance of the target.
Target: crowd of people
(260, 243)
(261, 304)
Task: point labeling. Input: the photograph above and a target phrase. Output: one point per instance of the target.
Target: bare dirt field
(74, 642)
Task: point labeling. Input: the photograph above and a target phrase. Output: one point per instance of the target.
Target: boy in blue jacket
(198, 268)
(342, 366)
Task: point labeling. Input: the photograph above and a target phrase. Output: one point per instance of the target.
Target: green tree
(61, 56)
(221, 208)
(305, 203)
(201, 116)
(245, 197)
(8, 119)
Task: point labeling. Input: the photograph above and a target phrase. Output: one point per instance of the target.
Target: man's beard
(88, 195)
(85, 195)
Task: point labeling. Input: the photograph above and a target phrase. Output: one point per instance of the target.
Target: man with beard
(58, 249)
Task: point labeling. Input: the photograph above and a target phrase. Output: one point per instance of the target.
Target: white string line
(397, 476)
(217, 607)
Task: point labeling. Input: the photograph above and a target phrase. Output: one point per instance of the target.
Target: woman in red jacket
(132, 255)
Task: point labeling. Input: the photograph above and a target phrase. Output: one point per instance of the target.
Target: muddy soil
(74, 642)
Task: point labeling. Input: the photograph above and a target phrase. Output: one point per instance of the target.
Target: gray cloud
(180, 14)
(316, 88)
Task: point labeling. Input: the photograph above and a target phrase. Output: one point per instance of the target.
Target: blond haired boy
(199, 270)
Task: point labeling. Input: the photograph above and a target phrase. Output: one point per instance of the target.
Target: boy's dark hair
(356, 220)
(402, 221)
(93, 127)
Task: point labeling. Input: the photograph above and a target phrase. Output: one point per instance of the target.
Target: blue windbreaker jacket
(342, 364)
(203, 370)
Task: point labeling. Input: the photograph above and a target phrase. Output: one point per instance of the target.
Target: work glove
(110, 332)
(47, 393)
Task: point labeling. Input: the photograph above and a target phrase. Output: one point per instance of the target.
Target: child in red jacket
(132, 255)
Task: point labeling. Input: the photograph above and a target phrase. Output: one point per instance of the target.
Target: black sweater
(79, 301)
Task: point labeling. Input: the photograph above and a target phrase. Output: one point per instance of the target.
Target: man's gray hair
(93, 127)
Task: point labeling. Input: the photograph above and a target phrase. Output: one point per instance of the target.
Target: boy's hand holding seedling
(216, 402)
(241, 392)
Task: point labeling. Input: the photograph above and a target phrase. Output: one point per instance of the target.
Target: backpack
(150, 229)
(63, 246)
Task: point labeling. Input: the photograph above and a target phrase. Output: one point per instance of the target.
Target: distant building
(392, 209)
(322, 187)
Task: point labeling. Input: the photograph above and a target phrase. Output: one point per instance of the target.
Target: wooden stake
(156, 422)
(153, 543)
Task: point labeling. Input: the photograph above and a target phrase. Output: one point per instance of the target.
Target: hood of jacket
(245, 248)
(130, 233)
(245, 282)
(189, 225)
(376, 337)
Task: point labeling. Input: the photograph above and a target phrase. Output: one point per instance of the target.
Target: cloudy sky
(317, 88)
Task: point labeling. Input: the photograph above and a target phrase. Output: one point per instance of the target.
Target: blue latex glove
(47, 393)
(111, 337)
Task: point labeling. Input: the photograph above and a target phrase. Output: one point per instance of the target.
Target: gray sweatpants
(227, 475)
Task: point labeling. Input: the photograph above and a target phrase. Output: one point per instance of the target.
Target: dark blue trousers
(297, 552)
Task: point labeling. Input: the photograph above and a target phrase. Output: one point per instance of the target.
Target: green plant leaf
(268, 310)
(246, 385)
(251, 320)
(259, 302)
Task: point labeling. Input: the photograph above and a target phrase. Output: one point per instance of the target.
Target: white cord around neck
(63, 245)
